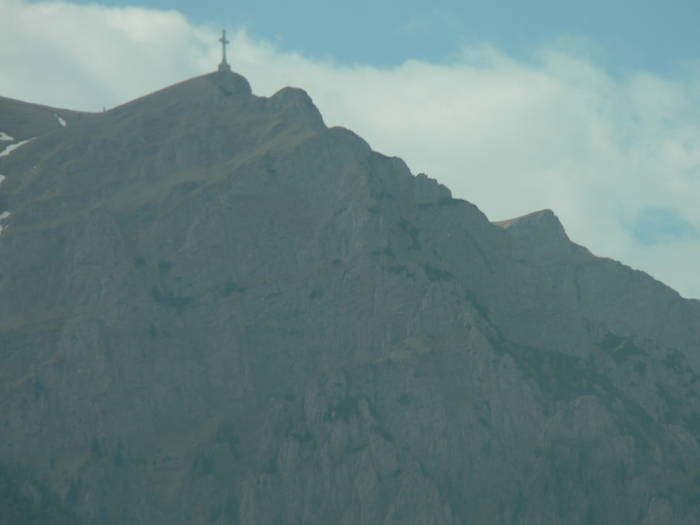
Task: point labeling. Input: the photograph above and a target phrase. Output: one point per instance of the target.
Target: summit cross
(224, 66)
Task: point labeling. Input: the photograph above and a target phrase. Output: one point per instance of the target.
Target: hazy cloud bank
(617, 158)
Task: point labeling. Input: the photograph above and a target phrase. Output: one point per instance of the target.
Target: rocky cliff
(215, 309)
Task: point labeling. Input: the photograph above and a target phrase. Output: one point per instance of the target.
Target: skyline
(652, 36)
(610, 142)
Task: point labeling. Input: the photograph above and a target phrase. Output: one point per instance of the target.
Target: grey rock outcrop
(215, 309)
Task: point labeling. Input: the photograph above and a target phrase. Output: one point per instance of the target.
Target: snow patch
(60, 120)
(3, 215)
(12, 147)
(5, 136)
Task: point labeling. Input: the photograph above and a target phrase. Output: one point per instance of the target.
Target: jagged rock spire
(224, 66)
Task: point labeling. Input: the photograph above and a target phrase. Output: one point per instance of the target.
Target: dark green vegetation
(214, 309)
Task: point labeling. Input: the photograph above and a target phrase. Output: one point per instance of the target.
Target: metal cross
(224, 65)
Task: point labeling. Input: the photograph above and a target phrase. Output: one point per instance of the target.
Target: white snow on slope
(12, 147)
(5, 136)
(3, 215)
(60, 120)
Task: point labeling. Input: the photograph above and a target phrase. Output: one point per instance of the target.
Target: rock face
(215, 309)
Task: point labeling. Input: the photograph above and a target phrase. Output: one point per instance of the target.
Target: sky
(591, 109)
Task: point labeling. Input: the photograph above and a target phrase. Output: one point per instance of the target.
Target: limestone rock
(215, 309)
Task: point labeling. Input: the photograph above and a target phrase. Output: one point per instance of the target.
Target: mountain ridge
(249, 317)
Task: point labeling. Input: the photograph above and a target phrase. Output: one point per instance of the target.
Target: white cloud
(556, 132)
(89, 56)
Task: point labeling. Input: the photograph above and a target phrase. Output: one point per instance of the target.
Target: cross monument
(224, 66)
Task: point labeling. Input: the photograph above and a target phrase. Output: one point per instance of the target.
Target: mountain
(217, 310)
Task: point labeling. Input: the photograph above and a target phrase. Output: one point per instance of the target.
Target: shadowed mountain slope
(215, 309)
(22, 121)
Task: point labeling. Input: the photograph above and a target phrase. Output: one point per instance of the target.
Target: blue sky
(644, 34)
(655, 225)
(591, 109)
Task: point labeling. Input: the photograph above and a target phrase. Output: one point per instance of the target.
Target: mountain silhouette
(217, 310)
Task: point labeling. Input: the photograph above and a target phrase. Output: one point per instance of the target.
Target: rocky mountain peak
(297, 104)
(540, 235)
(209, 90)
(536, 226)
